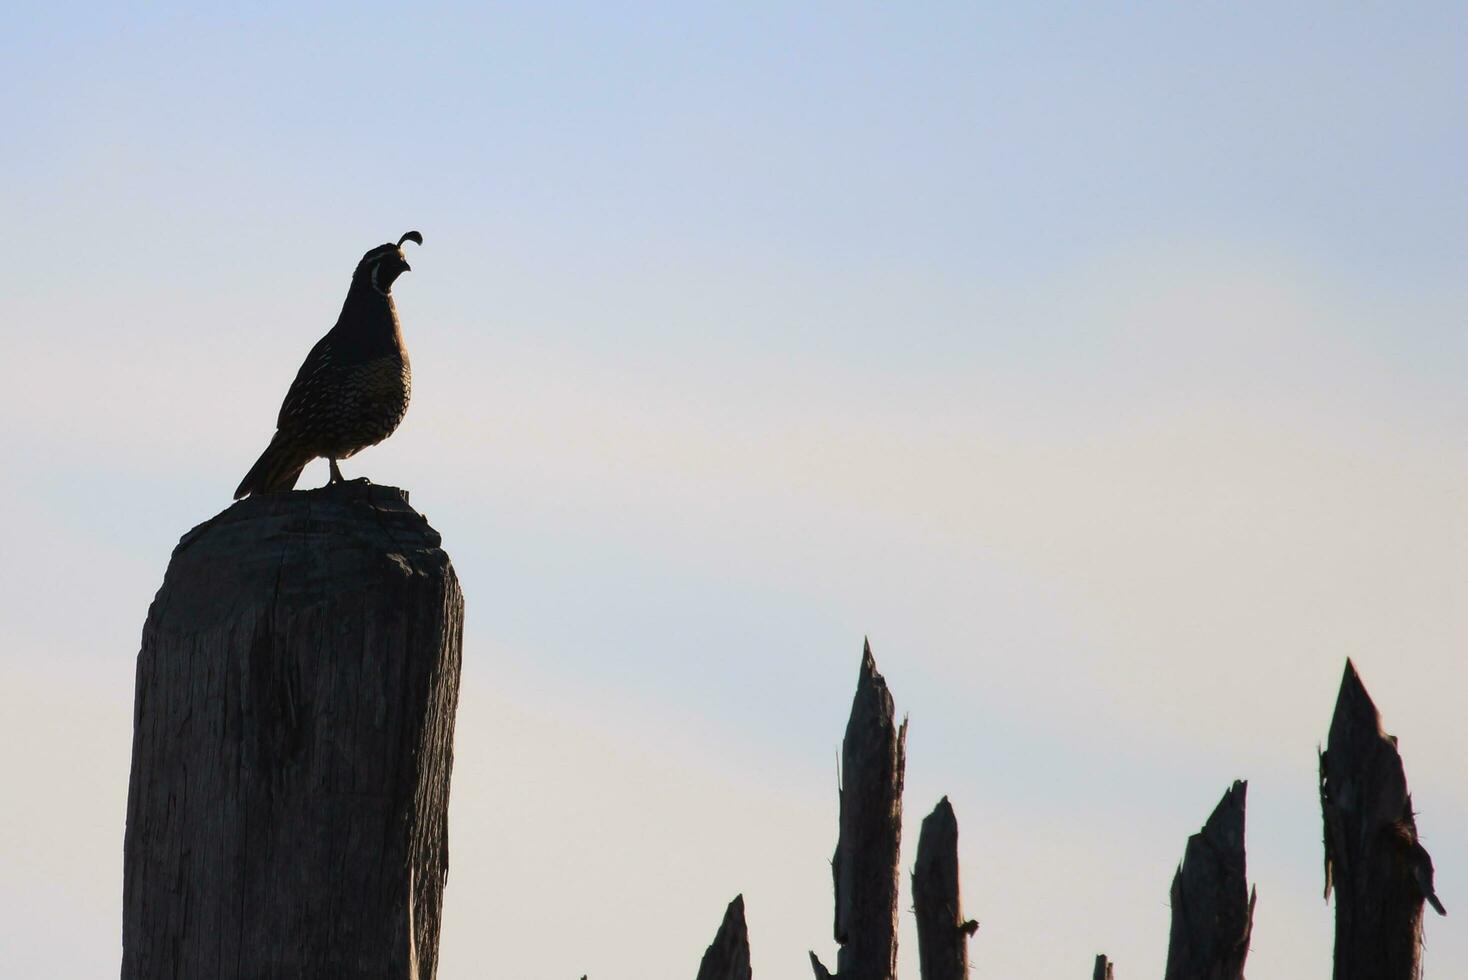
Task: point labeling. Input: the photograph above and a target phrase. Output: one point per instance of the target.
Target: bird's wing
(310, 385)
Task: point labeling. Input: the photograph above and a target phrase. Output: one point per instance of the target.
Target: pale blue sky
(1105, 367)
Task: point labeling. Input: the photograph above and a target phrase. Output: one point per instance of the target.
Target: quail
(352, 390)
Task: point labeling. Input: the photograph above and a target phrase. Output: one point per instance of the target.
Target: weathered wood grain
(292, 745)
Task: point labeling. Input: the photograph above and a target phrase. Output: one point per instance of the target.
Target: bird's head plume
(382, 265)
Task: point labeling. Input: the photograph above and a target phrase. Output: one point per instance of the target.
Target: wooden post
(1379, 870)
(864, 868)
(292, 741)
(943, 933)
(727, 957)
(1101, 971)
(1212, 907)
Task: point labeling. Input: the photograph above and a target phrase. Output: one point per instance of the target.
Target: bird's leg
(336, 474)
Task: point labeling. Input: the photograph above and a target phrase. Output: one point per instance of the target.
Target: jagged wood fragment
(864, 868)
(1212, 907)
(727, 957)
(1380, 872)
(1102, 970)
(943, 933)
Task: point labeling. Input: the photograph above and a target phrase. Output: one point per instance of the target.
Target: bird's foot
(342, 485)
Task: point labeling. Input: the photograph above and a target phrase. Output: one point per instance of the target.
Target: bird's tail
(277, 469)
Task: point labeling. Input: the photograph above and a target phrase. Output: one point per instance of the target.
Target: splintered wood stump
(864, 867)
(1379, 870)
(943, 933)
(1102, 969)
(1212, 906)
(292, 741)
(727, 957)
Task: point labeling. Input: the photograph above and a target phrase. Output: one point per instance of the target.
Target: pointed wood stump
(1380, 872)
(864, 868)
(1212, 907)
(292, 741)
(1103, 968)
(727, 957)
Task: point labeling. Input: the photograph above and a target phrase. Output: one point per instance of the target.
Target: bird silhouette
(352, 390)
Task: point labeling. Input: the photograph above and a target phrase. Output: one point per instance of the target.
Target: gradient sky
(1105, 368)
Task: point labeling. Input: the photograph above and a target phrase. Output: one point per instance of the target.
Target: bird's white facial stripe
(378, 265)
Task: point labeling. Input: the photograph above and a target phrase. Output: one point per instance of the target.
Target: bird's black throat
(368, 327)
